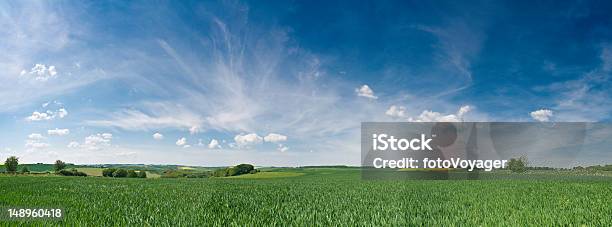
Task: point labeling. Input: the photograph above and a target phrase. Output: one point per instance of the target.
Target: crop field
(328, 197)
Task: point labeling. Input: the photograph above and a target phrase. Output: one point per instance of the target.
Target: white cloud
(93, 142)
(48, 115)
(61, 113)
(194, 130)
(35, 136)
(275, 138)
(247, 140)
(431, 116)
(541, 115)
(282, 148)
(97, 141)
(158, 115)
(73, 144)
(41, 72)
(396, 111)
(158, 136)
(107, 135)
(214, 144)
(37, 116)
(365, 91)
(586, 98)
(464, 110)
(181, 141)
(58, 132)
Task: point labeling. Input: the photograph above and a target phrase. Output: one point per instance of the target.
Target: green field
(313, 196)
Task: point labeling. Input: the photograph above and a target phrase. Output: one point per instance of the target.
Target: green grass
(318, 197)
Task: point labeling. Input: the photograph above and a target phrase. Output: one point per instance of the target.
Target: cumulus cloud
(41, 72)
(541, 115)
(61, 113)
(396, 111)
(58, 132)
(275, 138)
(97, 141)
(48, 115)
(73, 144)
(247, 140)
(431, 116)
(214, 144)
(181, 142)
(93, 142)
(282, 148)
(35, 136)
(365, 91)
(158, 136)
(463, 110)
(38, 116)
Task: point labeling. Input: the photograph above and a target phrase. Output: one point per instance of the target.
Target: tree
(25, 170)
(73, 172)
(234, 171)
(108, 172)
(518, 165)
(142, 174)
(221, 172)
(244, 169)
(120, 173)
(59, 165)
(132, 174)
(11, 164)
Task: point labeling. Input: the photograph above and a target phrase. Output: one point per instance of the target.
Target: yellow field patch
(265, 175)
(152, 175)
(91, 171)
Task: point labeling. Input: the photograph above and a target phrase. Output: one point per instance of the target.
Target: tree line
(12, 163)
(114, 172)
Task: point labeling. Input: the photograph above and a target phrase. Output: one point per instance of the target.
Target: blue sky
(284, 82)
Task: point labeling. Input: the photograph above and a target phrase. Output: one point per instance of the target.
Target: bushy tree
(59, 165)
(11, 164)
(108, 172)
(25, 170)
(72, 172)
(234, 171)
(518, 165)
(221, 172)
(142, 174)
(120, 173)
(132, 174)
(244, 169)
